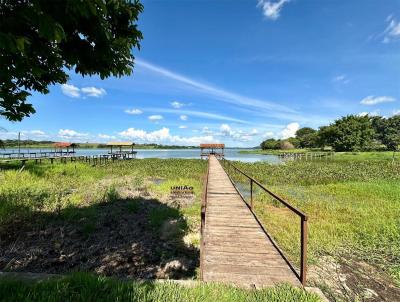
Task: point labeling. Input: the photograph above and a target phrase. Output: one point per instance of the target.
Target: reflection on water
(231, 154)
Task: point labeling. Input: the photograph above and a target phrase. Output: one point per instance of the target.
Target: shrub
(286, 145)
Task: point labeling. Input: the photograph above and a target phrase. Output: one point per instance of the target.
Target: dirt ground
(346, 279)
(113, 239)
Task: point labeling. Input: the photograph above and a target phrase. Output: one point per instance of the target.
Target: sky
(236, 72)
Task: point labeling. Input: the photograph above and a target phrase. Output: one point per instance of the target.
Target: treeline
(349, 133)
(28, 142)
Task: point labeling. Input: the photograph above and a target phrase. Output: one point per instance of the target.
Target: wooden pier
(235, 248)
(64, 158)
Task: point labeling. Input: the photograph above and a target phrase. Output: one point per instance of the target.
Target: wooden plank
(235, 248)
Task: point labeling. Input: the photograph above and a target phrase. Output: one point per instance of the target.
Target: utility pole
(19, 143)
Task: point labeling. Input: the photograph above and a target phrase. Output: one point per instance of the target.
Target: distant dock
(64, 152)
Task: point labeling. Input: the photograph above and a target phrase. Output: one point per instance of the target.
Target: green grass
(352, 206)
(273, 151)
(363, 156)
(50, 188)
(85, 287)
(344, 156)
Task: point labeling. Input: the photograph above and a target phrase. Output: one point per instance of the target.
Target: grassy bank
(124, 216)
(353, 208)
(119, 219)
(273, 151)
(50, 187)
(83, 287)
(345, 156)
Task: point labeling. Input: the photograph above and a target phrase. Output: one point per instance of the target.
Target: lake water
(231, 154)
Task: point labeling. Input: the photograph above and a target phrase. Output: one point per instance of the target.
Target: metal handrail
(203, 220)
(303, 225)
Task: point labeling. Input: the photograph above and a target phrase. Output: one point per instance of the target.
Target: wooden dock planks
(235, 248)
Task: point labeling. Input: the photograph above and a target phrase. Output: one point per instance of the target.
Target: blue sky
(235, 72)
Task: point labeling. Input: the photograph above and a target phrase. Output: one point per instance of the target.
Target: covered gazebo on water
(212, 149)
(122, 150)
(64, 148)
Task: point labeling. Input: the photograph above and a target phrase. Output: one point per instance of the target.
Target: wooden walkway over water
(235, 248)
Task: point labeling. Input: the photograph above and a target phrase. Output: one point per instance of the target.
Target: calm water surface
(231, 154)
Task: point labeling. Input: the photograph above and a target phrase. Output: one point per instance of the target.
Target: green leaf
(59, 32)
(20, 42)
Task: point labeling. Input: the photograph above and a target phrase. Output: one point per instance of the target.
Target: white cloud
(155, 117)
(396, 112)
(177, 105)
(67, 133)
(269, 134)
(372, 113)
(226, 130)
(341, 79)
(237, 135)
(133, 111)
(93, 91)
(207, 115)
(272, 9)
(70, 90)
(206, 130)
(183, 117)
(254, 131)
(215, 92)
(182, 127)
(373, 100)
(143, 135)
(34, 134)
(106, 136)
(392, 31)
(37, 132)
(163, 136)
(25, 134)
(75, 92)
(290, 130)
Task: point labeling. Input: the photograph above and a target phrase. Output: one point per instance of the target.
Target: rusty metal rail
(203, 220)
(303, 220)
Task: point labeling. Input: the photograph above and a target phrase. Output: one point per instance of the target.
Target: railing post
(251, 194)
(303, 254)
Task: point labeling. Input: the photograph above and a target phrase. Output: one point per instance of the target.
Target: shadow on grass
(139, 238)
(85, 287)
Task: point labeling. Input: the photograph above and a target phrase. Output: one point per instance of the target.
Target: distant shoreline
(13, 144)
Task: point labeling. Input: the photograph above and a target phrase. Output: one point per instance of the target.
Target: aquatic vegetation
(352, 205)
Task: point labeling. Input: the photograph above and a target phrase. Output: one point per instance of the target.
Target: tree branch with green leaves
(41, 40)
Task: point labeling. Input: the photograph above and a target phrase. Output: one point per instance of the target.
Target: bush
(286, 145)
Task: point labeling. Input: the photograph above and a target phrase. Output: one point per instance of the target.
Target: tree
(326, 135)
(41, 39)
(294, 141)
(307, 137)
(1, 142)
(391, 133)
(350, 133)
(387, 131)
(270, 144)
